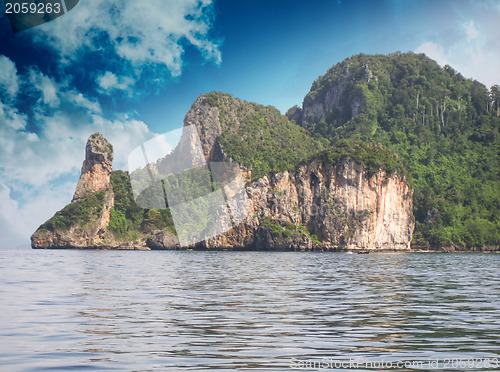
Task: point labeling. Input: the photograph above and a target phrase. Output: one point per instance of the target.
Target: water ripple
(108, 310)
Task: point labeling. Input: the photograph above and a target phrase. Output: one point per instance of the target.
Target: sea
(65, 310)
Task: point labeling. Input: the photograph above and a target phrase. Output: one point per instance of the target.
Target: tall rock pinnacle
(96, 168)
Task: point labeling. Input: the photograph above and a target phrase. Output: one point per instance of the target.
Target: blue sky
(132, 69)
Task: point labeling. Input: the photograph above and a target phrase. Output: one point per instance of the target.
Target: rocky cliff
(337, 207)
(84, 222)
(304, 201)
(96, 168)
(318, 205)
(336, 95)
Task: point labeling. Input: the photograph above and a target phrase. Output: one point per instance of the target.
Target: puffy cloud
(11, 119)
(8, 77)
(54, 94)
(18, 220)
(80, 101)
(109, 82)
(474, 51)
(139, 32)
(434, 51)
(46, 86)
(470, 30)
(12, 225)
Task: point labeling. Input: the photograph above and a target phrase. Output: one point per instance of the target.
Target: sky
(132, 69)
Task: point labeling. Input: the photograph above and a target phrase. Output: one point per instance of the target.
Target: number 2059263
(33, 7)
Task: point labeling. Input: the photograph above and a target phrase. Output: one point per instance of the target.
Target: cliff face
(206, 120)
(96, 168)
(342, 205)
(84, 222)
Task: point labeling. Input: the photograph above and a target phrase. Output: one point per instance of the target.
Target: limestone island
(372, 154)
(328, 200)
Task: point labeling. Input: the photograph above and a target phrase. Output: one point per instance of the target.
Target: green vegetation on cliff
(445, 127)
(266, 141)
(78, 213)
(127, 219)
(373, 156)
(287, 230)
(259, 137)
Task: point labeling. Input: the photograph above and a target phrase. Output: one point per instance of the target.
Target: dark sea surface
(175, 310)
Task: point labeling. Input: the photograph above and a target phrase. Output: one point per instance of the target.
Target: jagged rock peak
(204, 115)
(96, 168)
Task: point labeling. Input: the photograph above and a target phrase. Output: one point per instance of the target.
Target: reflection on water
(108, 310)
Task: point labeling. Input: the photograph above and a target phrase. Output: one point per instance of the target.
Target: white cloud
(434, 51)
(470, 30)
(11, 118)
(8, 76)
(46, 86)
(140, 32)
(109, 82)
(54, 93)
(11, 223)
(79, 100)
(474, 53)
(19, 220)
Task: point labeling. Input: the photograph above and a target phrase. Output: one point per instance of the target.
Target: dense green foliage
(127, 219)
(373, 156)
(443, 126)
(260, 137)
(287, 230)
(78, 213)
(187, 185)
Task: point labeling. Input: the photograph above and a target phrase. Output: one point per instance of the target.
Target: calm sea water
(119, 310)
